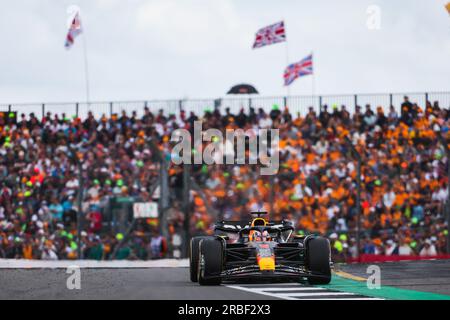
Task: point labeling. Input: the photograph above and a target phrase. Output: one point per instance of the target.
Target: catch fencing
(296, 104)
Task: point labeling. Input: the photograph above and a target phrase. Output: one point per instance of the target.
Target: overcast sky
(158, 49)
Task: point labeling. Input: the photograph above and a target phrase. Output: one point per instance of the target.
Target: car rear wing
(230, 226)
(237, 226)
(282, 225)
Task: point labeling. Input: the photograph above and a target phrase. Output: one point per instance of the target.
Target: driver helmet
(255, 236)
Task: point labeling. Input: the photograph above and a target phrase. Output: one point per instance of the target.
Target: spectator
(56, 210)
(428, 250)
(391, 248)
(403, 175)
(404, 249)
(158, 246)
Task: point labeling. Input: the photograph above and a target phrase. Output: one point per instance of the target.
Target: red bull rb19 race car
(259, 249)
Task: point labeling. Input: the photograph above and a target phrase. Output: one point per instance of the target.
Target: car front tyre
(194, 254)
(318, 260)
(210, 262)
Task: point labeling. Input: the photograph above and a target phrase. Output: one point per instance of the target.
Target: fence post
(391, 100)
(43, 110)
(9, 108)
(357, 156)
(249, 103)
(444, 143)
(272, 195)
(447, 207)
(164, 196)
(77, 109)
(426, 98)
(285, 101)
(110, 109)
(320, 103)
(186, 207)
(180, 105)
(79, 207)
(356, 101)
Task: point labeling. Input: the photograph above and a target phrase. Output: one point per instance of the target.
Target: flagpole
(313, 80)
(288, 88)
(86, 69)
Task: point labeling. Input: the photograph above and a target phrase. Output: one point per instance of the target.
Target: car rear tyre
(318, 260)
(210, 262)
(194, 248)
(300, 240)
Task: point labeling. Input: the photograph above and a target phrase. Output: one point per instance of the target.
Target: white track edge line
(260, 292)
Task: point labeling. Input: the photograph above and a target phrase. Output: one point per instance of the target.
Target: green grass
(386, 292)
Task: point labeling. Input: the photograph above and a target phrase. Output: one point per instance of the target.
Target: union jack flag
(74, 30)
(269, 35)
(299, 69)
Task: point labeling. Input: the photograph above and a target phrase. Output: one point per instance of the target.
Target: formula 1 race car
(259, 249)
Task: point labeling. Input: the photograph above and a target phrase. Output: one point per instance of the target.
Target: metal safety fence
(296, 104)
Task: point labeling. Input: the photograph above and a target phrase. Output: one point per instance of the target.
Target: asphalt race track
(149, 284)
(173, 284)
(427, 276)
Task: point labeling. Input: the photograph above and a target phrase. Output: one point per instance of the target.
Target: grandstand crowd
(404, 180)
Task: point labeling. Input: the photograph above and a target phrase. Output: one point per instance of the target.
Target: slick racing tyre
(194, 248)
(318, 260)
(210, 262)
